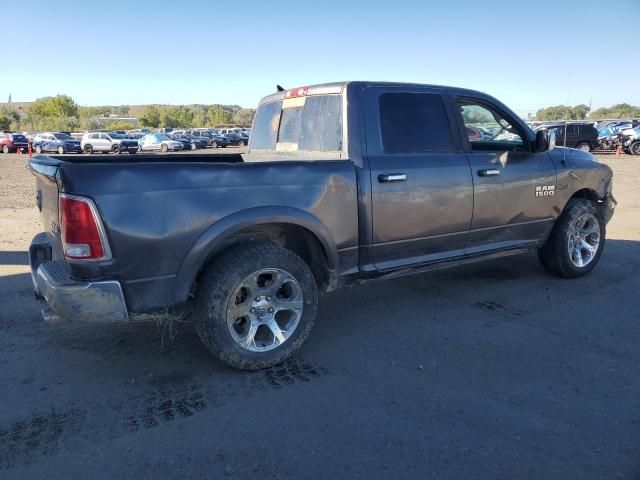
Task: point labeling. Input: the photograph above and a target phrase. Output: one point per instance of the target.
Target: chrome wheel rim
(584, 240)
(584, 147)
(264, 310)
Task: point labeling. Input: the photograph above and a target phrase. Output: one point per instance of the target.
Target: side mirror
(545, 140)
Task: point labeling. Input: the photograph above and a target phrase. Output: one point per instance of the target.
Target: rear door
(422, 190)
(514, 186)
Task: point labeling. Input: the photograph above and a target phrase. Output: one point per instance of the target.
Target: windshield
(116, 135)
(63, 136)
(162, 136)
(311, 124)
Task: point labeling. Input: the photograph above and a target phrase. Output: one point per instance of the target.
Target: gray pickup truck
(342, 183)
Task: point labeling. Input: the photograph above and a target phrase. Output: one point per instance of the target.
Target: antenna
(279, 88)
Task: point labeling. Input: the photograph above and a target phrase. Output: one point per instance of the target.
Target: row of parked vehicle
(606, 135)
(131, 141)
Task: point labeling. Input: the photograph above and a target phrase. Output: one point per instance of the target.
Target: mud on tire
(555, 255)
(220, 282)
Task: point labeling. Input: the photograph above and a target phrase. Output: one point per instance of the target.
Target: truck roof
(338, 87)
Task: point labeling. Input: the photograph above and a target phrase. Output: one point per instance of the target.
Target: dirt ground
(489, 371)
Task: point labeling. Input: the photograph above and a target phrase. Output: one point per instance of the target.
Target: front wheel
(5, 149)
(164, 148)
(575, 245)
(241, 143)
(60, 149)
(256, 305)
(635, 148)
(88, 149)
(214, 144)
(115, 149)
(38, 149)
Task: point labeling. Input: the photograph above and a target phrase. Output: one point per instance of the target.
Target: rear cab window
(310, 126)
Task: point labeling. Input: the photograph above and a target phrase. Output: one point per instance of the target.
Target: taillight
(296, 92)
(82, 234)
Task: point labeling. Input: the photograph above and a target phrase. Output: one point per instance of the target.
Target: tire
(61, 150)
(584, 146)
(164, 148)
(222, 283)
(634, 148)
(557, 255)
(115, 148)
(214, 144)
(193, 146)
(38, 149)
(241, 143)
(5, 149)
(88, 149)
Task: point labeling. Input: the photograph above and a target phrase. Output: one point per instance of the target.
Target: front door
(421, 185)
(514, 186)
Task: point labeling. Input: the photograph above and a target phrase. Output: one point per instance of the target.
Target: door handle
(489, 172)
(392, 177)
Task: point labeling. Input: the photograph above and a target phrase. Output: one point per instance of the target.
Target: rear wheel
(38, 149)
(60, 149)
(5, 149)
(584, 146)
(634, 148)
(256, 305)
(575, 245)
(241, 143)
(115, 148)
(164, 148)
(88, 149)
(214, 144)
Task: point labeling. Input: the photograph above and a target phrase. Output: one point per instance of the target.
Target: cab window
(487, 129)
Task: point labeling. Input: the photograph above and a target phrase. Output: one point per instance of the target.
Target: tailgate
(45, 170)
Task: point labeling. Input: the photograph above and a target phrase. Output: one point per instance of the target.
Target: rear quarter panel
(154, 213)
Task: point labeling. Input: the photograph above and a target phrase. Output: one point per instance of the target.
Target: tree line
(581, 112)
(62, 113)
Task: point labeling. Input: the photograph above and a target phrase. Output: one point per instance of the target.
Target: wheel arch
(294, 229)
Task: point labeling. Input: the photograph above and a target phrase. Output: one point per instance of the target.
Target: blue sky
(528, 54)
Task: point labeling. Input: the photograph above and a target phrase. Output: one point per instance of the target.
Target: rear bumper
(87, 301)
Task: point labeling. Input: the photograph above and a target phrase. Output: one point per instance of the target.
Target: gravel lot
(490, 371)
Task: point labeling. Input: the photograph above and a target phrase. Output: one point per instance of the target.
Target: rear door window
(414, 122)
(311, 124)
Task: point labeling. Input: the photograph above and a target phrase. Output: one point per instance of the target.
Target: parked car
(108, 142)
(631, 144)
(582, 136)
(236, 139)
(188, 142)
(13, 142)
(56, 142)
(159, 141)
(244, 244)
(212, 140)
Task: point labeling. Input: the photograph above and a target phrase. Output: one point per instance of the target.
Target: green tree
(199, 116)
(5, 122)
(580, 112)
(176, 117)
(150, 117)
(243, 116)
(563, 112)
(218, 116)
(9, 119)
(59, 106)
(620, 110)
